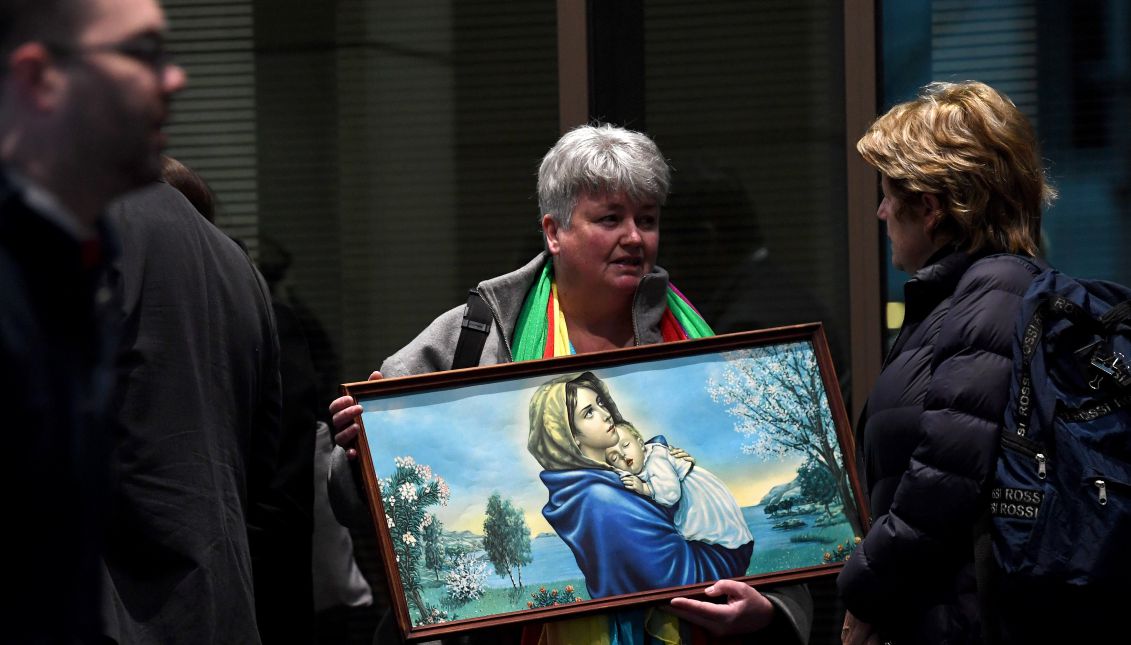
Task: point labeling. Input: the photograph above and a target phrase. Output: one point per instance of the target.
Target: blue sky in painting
(475, 437)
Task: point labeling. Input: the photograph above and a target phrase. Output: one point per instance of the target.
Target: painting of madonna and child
(548, 490)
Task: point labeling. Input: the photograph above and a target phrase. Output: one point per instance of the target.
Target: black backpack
(1061, 499)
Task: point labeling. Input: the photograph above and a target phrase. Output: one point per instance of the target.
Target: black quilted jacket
(927, 443)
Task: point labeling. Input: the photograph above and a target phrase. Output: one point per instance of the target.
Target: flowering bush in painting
(407, 494)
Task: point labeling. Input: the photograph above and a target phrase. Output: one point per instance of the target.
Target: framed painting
(563, 486)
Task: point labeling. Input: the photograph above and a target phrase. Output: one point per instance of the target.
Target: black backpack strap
(1117, 315)
(473, 331)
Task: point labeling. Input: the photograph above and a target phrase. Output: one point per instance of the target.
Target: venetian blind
(995, 43)
(378, 157)
(212, 129)
(1064, 65)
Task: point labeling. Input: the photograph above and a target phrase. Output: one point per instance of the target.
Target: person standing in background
(209, 534)
(85, 88)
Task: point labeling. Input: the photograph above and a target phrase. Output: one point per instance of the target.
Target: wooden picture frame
(491, 507)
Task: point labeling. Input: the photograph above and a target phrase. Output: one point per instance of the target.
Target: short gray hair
(599, 159)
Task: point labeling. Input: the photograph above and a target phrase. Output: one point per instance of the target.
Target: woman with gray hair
(595, 287)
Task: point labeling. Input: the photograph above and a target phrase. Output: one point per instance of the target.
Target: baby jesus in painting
(707, 511)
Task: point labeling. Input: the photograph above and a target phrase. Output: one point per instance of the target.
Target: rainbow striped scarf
(541, 330)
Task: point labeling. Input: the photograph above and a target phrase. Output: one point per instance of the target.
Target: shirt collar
(49, 207)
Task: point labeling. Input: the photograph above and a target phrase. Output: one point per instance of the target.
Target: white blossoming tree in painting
(778, 400)
(465, 581)
(407, 494)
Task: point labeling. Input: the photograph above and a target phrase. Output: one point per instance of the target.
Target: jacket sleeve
(793, 616)
(929, 528)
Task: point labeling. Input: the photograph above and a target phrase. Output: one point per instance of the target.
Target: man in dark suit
(207, 526)
(84, 90)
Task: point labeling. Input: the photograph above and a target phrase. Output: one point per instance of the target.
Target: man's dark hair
(50, 21)
(191, 185)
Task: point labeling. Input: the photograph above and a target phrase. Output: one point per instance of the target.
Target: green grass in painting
(807, 550)
(494, 601)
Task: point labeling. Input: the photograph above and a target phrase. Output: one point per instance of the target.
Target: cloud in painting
(475, 438)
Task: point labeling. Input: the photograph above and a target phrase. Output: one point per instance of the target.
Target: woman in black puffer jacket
(963, 184)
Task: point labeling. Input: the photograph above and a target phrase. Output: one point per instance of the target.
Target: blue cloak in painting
(624, 542)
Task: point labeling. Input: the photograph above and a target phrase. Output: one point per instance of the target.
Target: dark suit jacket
(56, 344)
(202, 525)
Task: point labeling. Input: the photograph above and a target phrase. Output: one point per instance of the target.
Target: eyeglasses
(147, 49)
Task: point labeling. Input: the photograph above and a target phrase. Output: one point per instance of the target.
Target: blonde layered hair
(970, 146)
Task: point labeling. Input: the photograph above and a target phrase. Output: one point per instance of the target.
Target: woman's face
(593, 427)
(907, 224)
(611, 243)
